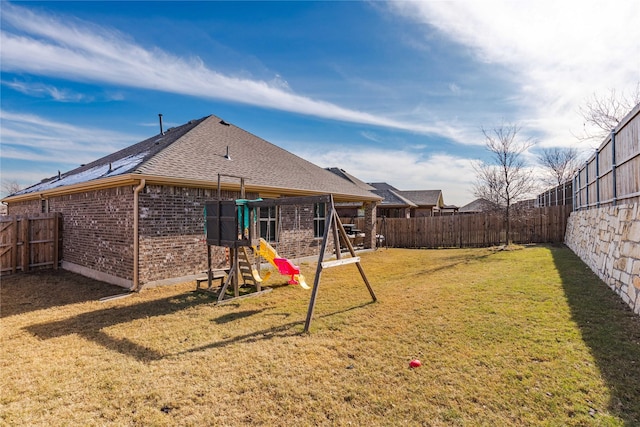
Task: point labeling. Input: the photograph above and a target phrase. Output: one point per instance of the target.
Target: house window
(319, 217)
(268, 223)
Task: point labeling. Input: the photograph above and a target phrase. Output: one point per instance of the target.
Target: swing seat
(287, 268)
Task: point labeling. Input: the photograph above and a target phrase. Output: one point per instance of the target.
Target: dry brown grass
(523, 337)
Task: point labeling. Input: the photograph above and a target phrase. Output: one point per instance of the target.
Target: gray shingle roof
(478, 205)
(196, 151)
(424, 197)
(391, 196)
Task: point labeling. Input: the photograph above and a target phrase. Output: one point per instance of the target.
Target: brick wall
(24, 208)
(608, 241)
(97, 228)
(370, 225)
(296, 237)
(171, 232)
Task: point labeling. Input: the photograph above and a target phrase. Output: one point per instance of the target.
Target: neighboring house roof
(478, 205)
(196, 153)
(425, 198)
(391, 197)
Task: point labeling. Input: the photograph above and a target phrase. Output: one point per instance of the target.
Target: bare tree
(504, 180)
(603, 113)
(10, 186)
(559, 164)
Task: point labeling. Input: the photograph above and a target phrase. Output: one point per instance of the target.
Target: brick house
(411, 203)
(393, 205)
(135, 217)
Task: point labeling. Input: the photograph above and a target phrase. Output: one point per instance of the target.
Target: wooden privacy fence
(612, 175)
(560, 195)
(29, 242)
(539, 225)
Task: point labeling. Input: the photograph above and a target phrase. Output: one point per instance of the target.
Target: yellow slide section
(266, 251)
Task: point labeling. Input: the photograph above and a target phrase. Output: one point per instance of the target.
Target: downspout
(136, 242)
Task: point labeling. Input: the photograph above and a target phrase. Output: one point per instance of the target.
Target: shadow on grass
(610, 330)
(230, 317)
(26, 292)
(90, 325)
(283, 330)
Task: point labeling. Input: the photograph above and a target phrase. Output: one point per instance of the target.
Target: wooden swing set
(232, 224)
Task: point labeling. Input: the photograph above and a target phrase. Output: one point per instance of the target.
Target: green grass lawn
(522, 337)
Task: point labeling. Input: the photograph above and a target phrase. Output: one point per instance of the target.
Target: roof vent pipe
(160, 117)
(227, 156)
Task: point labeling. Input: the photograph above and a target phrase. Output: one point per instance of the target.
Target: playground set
(232, 224)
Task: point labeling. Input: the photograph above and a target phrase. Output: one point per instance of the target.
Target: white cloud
(45, 45)
(33, 138)
(42, 90)
(561, 51)
(406, 170)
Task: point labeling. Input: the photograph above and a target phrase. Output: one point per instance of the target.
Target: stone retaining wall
(608, 241)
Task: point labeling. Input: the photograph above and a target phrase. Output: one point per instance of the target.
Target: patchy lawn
(523, 337)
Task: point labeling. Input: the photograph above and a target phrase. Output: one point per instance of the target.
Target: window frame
(319, 219)
(271, 221)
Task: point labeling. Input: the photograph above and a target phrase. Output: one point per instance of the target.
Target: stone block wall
(608, 241)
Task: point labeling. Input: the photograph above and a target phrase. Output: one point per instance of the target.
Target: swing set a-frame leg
(334, 223)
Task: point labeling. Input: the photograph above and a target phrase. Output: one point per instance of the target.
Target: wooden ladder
(246, 265)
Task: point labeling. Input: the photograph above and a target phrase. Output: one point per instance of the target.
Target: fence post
(14, 250)
(597, 178)
(573, 194)
(586, 178)
(56, 237)
(613, 166)
(25, 245)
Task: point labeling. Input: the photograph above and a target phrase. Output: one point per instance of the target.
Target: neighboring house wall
(608, 241)
(393, 212)
(422, 212)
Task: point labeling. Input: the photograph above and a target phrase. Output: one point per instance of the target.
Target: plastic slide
(284, 266)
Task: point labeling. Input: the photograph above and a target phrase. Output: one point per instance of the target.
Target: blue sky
(389, 91)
